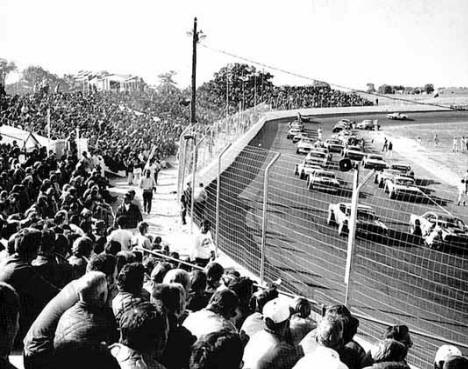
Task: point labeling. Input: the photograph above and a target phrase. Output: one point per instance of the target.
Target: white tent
(24, 139)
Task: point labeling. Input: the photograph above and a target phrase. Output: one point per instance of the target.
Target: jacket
(124, 301)
(86, 323)
(389, 365)
(205, 321)
(131, 359)
(178, 347)
(33, 290)
(133, 214)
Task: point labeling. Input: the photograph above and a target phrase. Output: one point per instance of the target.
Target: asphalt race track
(396, 279)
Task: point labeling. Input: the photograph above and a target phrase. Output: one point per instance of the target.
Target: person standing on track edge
(148, 185)
(203, 249)
(385, 145)
(183, 208)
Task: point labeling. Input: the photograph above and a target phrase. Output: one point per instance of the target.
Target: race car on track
(374, 161)
(305, 145)
(397, 116)
(306, 168)
(343, 124)
(438, 230)
(367, 124)
(293, 132)
(318, 158)
(300, 136)
(403, 187)
(334, 145)
(366, 220)
(296, 124)
(391, 171)
(323, 180)
(354, 153)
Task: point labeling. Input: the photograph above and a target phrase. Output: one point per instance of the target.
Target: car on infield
(403, 187)
(366, 220)
(438, 230)
(391, 171)
(300, 136)
(334, 145)
(323, 180)
(305, 145)
(318, 157)
(367, 124)
(293, 132)
(306, 168)
(397, 116)
(374, 161)
(354, 153)
(296, 124)
(343, 124)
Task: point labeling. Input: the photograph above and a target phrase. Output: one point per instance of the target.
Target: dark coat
(179, 346)
(133, 214)
(389, 365)
(34, 291)
(86, 323)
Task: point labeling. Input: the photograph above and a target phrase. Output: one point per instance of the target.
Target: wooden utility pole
(194, 72)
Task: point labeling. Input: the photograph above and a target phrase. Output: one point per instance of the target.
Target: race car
(293, 132)
(354, 153)
(296, 124)
(343, 124)
(374, 161)
(391, 171)
(366, 221)
(300, 136)
(397, 116)
(323, 180)
(305, 145)
(334, 145)
(438, 230)
(367, 124)
(305, 168)
(404, 187)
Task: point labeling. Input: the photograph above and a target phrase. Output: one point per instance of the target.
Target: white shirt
(147, 183)
(141, 241)
(202, 246)
(122, 236)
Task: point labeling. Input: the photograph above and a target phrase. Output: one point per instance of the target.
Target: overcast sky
(409, 42)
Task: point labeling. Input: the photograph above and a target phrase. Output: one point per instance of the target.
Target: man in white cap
(271, 346)
(443, 353)
(322, 357)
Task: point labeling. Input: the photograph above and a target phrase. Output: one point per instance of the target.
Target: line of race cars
(436, 230)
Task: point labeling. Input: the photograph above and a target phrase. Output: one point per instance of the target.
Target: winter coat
(125, 301)
(205, 321)
(131, 359)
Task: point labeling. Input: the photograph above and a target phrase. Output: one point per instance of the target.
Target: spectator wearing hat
(271, 347)
(216, 316)
(10, 310)
(444, 353)
(89, 320)
(143, 337)
(218, 350)
(254, 322)
(130, 211)
(322, 357)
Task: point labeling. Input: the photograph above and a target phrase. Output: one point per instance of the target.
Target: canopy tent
(24, 139)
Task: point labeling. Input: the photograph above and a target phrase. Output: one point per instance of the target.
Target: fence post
(182, 156)
(264, 217)
(194, 169)
(218, 192)
(352, 233)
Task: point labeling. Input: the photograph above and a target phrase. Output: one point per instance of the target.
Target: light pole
(196, 37)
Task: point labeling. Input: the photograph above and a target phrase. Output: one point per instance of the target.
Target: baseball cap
(277, 310)
(321, 357)
(445, 351)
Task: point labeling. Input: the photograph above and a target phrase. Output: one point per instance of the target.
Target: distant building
(105, 81)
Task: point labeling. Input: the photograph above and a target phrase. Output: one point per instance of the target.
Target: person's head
(112, 247)
(9, 318)
(147, 173)
(130, 278)
(205, 226)
(262, 296)
(456, 362)
(160, 271)
(106, 264)
(127, 198)
(243, 287)
(214, 272)
(301, 307)
(198, 280)
(350, 323)
(443, 353)
(170, 297)
(143, 228)
(276, 314)
(224, 302)
(124, 257)
(122, 221)
(399, 333)
(329, 333)
(93, 288)
(178, 276)
(27, 243)
(82, 354)
(144, 329)
(389, 350)
(218, 350)
(82, 247)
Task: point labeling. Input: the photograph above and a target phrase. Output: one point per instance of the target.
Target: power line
(251, 61)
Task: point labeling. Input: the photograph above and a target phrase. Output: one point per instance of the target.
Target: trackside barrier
(235, 184)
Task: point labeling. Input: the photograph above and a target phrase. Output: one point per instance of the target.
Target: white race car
(293, 132)
(305, 168)
(323, 180)
(397, 116)
(366, 222)
(334, 145)
(438, 230)
(305, 145)
(366, 124)
(391, 171)
(319, 157)
(402, 187)
(374, 161)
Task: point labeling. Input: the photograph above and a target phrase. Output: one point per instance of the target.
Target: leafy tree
(385, 89)
(429, 88)
(35, 75)
(370, 87)
(6, 67)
